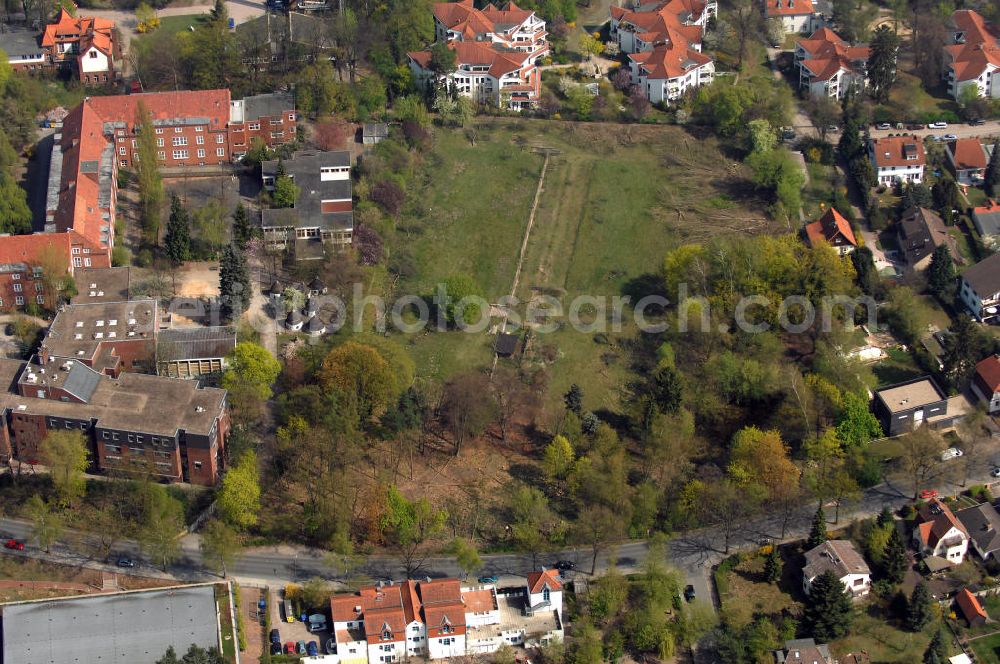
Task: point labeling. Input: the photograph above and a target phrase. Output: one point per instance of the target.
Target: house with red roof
(85, 44)
(496, 51)
(833, 230)
(897, 159)
(677, 23)
(972, 55)
(23, 262)
(939, 533)
(968, 159)
(971, 608)
(829, 66)
(795, 16)
(986, 383)
(669, 71)
(441, 618)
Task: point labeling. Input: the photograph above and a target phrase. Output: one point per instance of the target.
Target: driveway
(240, 10)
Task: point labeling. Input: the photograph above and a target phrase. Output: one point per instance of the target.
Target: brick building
(135, 423)
(193, 128)
(23, 263)
(108, 337)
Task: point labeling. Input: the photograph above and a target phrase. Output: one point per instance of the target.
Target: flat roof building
(121, 628)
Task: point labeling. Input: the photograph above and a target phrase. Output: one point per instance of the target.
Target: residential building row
(663, 43)
(972, 55)
(86, 46)
(496, 54)
(99, 137)
(437, 619)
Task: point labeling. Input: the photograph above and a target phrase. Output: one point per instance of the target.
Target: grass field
(171, 24)
(615, 199)
(987, 649)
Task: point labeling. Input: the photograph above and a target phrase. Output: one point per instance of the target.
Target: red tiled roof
(379, 621)
(439, 616)
(30, 249)
(369, 598)
(988, 372)
(892, 150)
(828, 54)
(480, 601)
(67, 29)
(980, 48)
(442, 591)
(829, 228)
(967, 153)
(788, 7)
(668, 61)
(940, 522)
(211, 104)
(970, 606)
(471, 22)
(537, 580)
(666, 23)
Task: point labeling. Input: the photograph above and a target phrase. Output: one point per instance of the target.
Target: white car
(995, 472)
(938, 125)
(951, 453)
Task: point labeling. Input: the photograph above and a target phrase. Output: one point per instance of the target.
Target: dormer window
(386, 635)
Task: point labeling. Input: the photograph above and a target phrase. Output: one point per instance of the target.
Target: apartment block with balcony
(979, 289)
(496, 54)
(647, 26)
(829, 66)
(972, 55)
(897, 159)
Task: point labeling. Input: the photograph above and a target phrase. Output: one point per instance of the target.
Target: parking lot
(293, 631)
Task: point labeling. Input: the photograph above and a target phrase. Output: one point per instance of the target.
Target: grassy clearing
(173, 24)
(615, 199)
(883, 641)
(897, 367)
(823, 181)
(744, 594)
(987, 649)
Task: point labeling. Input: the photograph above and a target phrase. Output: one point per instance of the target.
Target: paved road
(693, 553)
(991, 128)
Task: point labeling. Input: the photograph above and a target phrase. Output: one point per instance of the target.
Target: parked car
(275, 648)
(883, 125)
(927, 494)
(787, 134)
(317, 622)
(301, 647)
(565, 565)
(489, 578)
(289, 613)
(275, 637)
(938, 125)
(913, 127)
(977, 122)
(949, 137)
(689, 593)
(951, 453)
(14, 545)
(290, 648)
(331, 646)
(312, 648)
(995, 472)
(125, 561)
(832, 129)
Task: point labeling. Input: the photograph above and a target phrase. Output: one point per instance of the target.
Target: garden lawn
(987, 649)
(883, 641)
(181, 23)
(616, 198)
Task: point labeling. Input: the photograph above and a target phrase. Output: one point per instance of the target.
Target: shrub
(389, 196)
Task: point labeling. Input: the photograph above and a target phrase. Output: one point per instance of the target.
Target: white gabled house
(796, 16)
(841, 558)
(939, 533)
(897, 159)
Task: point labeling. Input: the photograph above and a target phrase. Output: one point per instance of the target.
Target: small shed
(505, 344)
(970, 607)
(374, 132)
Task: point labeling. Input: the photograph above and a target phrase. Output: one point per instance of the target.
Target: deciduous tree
(46, 524)
(67, 457)
(558, 458)
(163, 519)
(464, 410)
(598, 527)
(220, 546)
(361, 372)
(408, 525)
(252, 370)
(239, 498)
(466, 556)
(921, 455)
(991, 178)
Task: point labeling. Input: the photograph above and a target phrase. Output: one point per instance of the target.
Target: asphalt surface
(962, 130)
(693, 553)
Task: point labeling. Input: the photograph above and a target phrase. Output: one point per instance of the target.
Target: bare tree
(921, 455)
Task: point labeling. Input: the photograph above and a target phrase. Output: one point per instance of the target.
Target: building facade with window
(136, 423)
